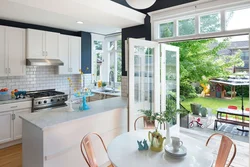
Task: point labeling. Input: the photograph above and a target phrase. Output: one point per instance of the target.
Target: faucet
(112, 79)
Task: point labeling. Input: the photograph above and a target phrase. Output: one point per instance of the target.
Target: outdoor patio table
(122, 152)
(227, 111)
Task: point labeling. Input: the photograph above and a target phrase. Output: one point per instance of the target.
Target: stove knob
(45, 101)
(39, 102)
(58, 99)
(52, 100)
(63, 99)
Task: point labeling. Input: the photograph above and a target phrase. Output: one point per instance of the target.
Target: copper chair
(87, 146)
(224, 150)
(247, 109)
(147, 124)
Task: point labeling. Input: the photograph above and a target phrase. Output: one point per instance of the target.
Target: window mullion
(223, 20)
(197, 25)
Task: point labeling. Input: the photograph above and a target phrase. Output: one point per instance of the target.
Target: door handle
(46, 53)
(13, 116)
(13, 107)
(6, 70)
(9, 71)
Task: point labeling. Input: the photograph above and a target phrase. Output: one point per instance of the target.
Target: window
(210, 23)
(186, 27)
(115, 59)
(97, 60)
(237, 19)
(245, 58)
(167, 30)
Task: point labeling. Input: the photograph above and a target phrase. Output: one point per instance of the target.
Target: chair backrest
(86, 145)
(247, 109)
(224, 150)
(232, 107)
(146, 123)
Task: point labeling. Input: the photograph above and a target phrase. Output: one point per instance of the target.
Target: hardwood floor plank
(11, 156)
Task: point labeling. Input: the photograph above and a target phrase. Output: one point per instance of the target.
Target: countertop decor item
(143, 146)
(156, 141)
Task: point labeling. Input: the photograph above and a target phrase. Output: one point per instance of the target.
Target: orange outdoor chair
(146, 124)
(247, 109)
(225, 147)
(87, 146)
(233, 108)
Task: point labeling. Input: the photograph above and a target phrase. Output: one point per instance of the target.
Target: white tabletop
(122, 152)
(232, 111)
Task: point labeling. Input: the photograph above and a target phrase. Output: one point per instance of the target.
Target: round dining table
(123, 152)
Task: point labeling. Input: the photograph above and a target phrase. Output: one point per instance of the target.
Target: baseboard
(4, 145)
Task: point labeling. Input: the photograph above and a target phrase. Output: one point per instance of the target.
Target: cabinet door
(15, 40)
(52, 45)
(64, 54)
(18, 122)
(35, 44)
(75, 54)
(3, 61)
(6, 127)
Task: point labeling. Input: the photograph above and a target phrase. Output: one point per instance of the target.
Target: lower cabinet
(18, 123)
(6, 127)
(11, 125)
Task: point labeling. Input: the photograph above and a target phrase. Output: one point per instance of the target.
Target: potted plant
(149, 120)
(203, 111)
(195, 108)
(184, 117)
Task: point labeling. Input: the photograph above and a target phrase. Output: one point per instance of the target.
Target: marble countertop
(49, 118)
(15, 100)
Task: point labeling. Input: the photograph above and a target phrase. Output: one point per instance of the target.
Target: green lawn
(215, 103)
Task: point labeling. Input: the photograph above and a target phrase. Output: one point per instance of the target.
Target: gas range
(47, 99)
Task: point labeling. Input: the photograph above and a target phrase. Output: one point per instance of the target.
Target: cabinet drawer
(15, 106)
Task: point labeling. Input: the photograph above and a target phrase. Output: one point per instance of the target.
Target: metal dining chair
(146, 124)
(87, 146)
(225, 147)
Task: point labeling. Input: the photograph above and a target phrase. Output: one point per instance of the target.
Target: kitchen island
(52, 137)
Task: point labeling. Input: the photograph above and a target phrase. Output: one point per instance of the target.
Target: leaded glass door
(143, 78)
(170, 86)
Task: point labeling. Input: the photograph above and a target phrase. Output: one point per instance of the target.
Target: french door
(150, 66)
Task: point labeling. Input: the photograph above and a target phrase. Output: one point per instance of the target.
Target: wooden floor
(11, 156)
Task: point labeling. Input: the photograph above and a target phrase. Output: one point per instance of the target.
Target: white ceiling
(98, 16)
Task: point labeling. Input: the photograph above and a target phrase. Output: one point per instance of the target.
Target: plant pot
(195, 108)
(203, 111)
(184, 121)
(148, 124)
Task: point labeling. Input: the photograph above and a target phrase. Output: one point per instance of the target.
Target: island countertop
(49, 118)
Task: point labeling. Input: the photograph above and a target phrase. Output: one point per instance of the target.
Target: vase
(168, 140)
(70, 107)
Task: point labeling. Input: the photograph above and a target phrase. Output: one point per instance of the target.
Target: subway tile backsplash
(38, 78)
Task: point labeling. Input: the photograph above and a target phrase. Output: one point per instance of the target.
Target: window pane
(210, 23)
(98, 45)
(167, 30)
(112, 45)
(119, 45)
(237, 19)
(119, 67)
(186, 27)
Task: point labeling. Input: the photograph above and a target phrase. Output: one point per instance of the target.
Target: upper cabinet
(12, 51)
(70, 54)
(42, 44)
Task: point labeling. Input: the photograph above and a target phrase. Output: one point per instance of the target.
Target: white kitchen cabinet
(42, 44)
(16, 51)
(10, 123)
(35, 44)
(64, 54)
(12, 51)
(3, 67)
(52, 45)
(75, 54)
(18, 122)
(70, 54)
(6, 126)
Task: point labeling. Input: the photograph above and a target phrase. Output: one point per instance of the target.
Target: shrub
(187, 90)
(198, 89)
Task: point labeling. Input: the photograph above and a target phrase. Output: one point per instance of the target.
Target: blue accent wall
(86, 52)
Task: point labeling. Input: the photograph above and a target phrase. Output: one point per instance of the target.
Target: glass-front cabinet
(153, 78)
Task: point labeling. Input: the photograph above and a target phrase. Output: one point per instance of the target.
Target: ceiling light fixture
(79, 22)
(140, 4)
